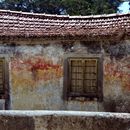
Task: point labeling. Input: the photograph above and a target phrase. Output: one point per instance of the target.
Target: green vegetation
(71, 7)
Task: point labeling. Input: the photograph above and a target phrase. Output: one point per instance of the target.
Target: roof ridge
(65, 16)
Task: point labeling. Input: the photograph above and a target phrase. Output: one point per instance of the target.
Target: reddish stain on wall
(118, 71)
(39, 67)
(33, 63)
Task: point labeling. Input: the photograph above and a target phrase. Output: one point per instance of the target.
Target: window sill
(82, 99)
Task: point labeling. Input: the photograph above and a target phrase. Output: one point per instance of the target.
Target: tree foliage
(71, 7)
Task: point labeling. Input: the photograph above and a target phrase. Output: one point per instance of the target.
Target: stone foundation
(63, 120)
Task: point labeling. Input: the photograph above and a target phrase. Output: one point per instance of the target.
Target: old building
(52, 62)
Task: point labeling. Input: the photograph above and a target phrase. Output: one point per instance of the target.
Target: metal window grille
(83, 76)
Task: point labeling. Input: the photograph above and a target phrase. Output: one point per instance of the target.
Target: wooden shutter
(2, 75)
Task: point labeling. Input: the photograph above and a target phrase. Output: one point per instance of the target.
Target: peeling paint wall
(117, 78)
(36, 75)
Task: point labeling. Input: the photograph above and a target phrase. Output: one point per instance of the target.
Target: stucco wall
(36, 75)
(63, 120)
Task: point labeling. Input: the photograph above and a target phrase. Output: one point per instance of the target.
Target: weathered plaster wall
(36, 75)
(36, 78)
(57, 120)
(117, 78)
(116, 83)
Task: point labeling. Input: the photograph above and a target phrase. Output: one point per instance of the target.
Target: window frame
(2, 90)
(6, 84)
(67, 86)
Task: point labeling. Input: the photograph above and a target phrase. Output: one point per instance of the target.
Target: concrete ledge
(63, 120)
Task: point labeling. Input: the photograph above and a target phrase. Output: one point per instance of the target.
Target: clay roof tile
(22, 24)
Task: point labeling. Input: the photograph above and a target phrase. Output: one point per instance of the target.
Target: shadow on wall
(117, 105)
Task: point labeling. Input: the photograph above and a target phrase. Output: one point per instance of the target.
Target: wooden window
(4, 84)
(83, 77)
(2, 76)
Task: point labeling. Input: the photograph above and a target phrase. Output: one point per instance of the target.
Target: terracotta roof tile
(21, 24)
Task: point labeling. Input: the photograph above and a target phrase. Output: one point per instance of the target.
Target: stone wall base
(63, 120)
